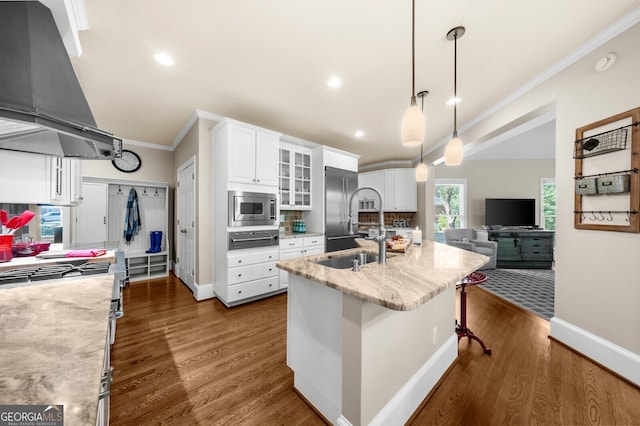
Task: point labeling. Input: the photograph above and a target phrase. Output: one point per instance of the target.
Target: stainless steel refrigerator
(339, 185)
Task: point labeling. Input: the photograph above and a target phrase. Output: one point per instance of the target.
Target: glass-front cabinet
(295, 177)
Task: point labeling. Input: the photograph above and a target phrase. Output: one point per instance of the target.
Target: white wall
(597, 284)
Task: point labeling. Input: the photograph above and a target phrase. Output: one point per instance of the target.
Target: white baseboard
(203, 291)
(400, 408)
(614, 357)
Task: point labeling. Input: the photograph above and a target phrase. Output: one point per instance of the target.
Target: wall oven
(252, 209)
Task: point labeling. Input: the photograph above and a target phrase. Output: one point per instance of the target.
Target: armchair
(467, 239)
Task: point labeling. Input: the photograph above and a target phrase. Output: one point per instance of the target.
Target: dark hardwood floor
(181, 362)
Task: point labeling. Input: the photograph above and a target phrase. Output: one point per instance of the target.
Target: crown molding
(589, 46)
(402, 164)
(146, 144)
(195, 115)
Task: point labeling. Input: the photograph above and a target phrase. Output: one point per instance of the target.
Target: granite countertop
(407, 281)
(300, 235)
(52, 344)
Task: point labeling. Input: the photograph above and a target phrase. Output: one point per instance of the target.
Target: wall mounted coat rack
(607, 190)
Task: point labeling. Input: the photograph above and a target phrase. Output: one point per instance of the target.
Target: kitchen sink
(346, 261)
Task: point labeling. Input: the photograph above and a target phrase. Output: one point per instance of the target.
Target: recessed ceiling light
(334, 82)
(359, 134)
(164, 58)
(453, 101)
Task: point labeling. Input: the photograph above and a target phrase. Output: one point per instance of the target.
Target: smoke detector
(605, 62)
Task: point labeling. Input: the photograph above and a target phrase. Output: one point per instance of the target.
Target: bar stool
(473, 278)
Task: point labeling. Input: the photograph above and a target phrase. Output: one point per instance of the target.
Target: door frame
(190, 162)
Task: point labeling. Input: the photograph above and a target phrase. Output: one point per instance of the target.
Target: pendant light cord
(455, 85)
(413, 48)
(421, 144)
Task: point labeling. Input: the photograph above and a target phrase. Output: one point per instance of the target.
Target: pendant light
(413, 123)
(455, 150)
(422, 173)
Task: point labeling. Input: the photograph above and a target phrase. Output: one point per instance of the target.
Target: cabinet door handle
(239, 291)
(239, 275)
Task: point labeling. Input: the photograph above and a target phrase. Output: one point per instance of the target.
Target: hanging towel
(132, 217)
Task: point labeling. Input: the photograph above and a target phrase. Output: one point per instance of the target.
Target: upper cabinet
(400, 190)
(295, 177)
(252, 152)
(397, 187)
(367, 200)
(43, 179)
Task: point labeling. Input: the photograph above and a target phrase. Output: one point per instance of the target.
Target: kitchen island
(366, 347)
(52, 345)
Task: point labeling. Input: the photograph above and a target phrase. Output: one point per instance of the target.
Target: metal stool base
(461, 329)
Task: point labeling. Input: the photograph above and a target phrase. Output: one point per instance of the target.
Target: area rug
(531, 289)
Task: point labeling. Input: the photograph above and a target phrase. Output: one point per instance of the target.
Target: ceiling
(267, 63)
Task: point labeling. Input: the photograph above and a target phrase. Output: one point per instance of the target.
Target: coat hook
(601, 215)
(610, 218)
(628, 219)
(593, 216)
(156, 194)
(119, 189)
(582, 217)
(145, 191)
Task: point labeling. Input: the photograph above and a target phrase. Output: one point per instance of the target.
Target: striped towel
(132, 218)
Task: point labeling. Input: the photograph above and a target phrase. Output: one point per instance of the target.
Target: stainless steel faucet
(381, 238)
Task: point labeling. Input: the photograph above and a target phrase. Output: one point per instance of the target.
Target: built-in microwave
(252, 209)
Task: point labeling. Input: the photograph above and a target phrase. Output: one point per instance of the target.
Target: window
(450, 205)
(548, 204)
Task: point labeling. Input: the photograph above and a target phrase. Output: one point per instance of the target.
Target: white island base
(359, 363)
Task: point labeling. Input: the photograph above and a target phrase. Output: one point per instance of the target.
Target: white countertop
(52, 343)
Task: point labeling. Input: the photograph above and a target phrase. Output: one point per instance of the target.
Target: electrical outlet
(435, 335)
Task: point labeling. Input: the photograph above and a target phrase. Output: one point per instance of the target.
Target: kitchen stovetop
(53, 271)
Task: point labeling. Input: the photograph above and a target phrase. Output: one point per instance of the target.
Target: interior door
(185, 262)
(91, 214)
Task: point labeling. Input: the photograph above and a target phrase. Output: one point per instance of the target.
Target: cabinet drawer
(532, 254)
(291, 243)
(251, 272)
(251, 256)
(313, 241)
(251, 289)
(536, 243)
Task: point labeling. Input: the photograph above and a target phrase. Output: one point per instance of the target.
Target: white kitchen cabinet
(42, 179)
(292, 248)
(295, 177)
(367, 200)
(65, 181)
(250, 274)
(252, 152)
(400, 190)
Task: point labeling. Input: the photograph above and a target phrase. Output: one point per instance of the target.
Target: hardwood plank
(182, 362)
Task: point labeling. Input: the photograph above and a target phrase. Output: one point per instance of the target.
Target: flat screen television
(510, 212)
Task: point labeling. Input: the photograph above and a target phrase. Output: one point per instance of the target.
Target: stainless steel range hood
(42, 107)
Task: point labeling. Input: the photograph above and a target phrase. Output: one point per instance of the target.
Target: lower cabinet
(251, 274)
(524, 249)
(145, 266)
(291, 248)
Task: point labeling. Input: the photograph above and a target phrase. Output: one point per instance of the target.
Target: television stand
(520, 248)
